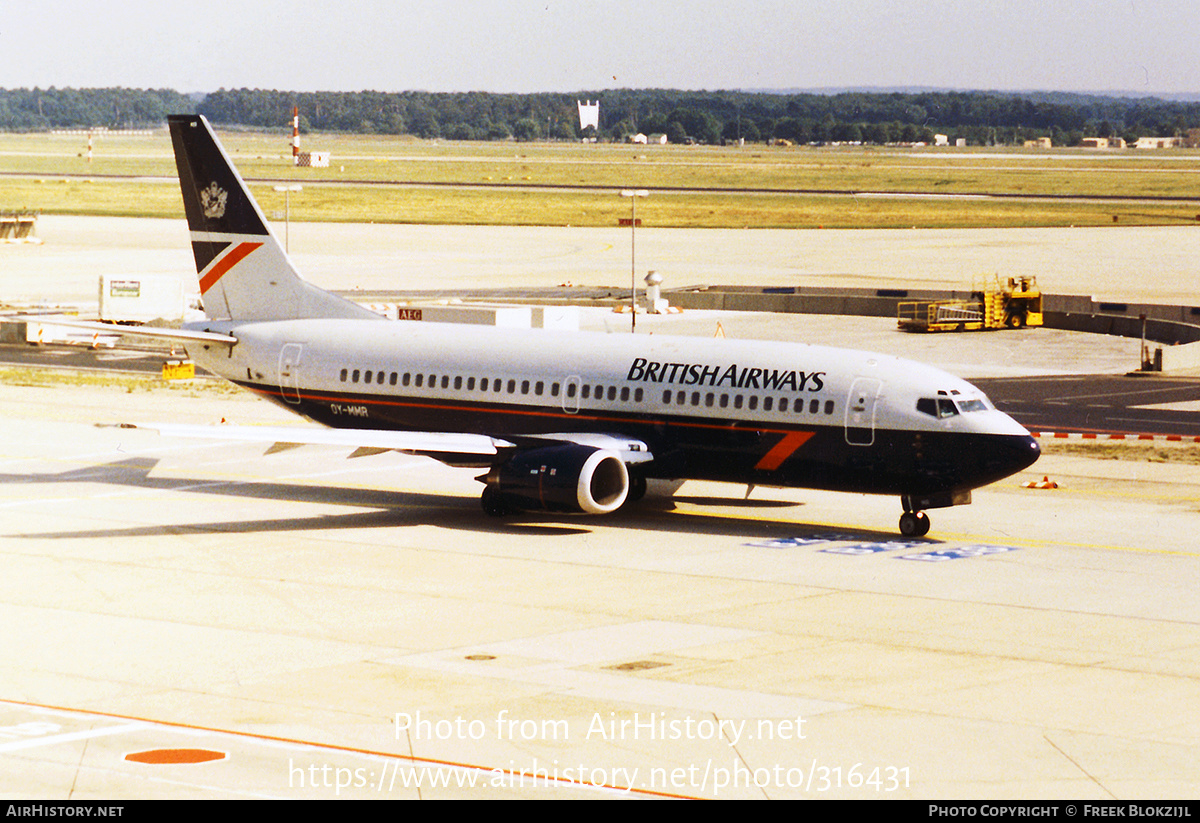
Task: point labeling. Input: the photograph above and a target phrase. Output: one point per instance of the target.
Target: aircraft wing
(440, 445)
(365, 441)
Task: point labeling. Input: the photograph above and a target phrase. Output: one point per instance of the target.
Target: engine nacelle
(564, 477)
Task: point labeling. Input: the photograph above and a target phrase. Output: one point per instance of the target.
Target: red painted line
(223, 265)
(562, 781)
(785, 448)
(640, 418)
(1168, 438)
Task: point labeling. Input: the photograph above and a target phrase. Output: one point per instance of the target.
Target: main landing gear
(914, 524)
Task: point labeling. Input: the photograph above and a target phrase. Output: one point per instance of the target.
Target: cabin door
(290, 357)
(860, 411)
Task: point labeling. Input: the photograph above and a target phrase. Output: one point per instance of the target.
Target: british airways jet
(569, 421)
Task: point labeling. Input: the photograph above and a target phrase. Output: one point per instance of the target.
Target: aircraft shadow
(399, 509)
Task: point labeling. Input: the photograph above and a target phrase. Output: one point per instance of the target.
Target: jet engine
(565, 477)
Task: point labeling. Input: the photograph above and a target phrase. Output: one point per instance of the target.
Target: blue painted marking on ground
(958, 554)
(861, 549)
(874, 548)
(794, 542)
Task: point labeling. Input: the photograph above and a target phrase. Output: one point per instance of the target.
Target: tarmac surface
(303, 625)
(1155, 264)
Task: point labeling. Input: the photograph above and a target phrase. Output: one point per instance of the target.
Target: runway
(1150, 404)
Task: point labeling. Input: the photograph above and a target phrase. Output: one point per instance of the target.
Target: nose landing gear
(914, 524)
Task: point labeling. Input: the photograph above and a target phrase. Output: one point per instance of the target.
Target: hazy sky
(556, 45)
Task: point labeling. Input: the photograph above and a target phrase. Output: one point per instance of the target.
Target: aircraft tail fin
(243, 270)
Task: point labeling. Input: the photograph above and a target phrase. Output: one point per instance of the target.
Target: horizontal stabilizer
(174, 335)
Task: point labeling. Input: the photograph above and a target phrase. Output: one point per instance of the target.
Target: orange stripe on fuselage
(236, 255)
(782, 450)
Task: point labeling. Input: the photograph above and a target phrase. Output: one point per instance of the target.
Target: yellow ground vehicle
(1013, 305)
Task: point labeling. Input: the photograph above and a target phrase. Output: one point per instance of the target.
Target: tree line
(982, 118)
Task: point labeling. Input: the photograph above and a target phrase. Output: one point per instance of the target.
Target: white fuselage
(701, 397)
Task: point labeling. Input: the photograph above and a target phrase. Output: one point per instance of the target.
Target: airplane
(566, 421)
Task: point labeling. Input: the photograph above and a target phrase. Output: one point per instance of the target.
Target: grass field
(392, 179)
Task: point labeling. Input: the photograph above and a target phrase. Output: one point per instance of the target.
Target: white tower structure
(589, 114)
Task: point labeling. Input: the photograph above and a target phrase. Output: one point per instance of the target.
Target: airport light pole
(633, 195)
(287, 211)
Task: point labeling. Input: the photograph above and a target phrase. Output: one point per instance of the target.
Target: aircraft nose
(1002, 456)
(1026, 452)
(1017, 453)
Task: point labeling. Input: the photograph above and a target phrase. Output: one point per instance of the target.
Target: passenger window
(458, 382)
(829, 407)
(753, 402)
(404, 381)
(570, 390)
(354, 376)
(420, 380)
(637, 395)
(554, 390)
(470, 384)
(345, 374)
(538, 387)
(814, 406)
(612, 392)
(392, 379)
(768, 403)
(783, 404)
(667, 397)
(624, 394)
(587, 391)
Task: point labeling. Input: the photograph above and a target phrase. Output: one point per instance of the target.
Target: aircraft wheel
(637, 487)
(914, 524)
(493, 506)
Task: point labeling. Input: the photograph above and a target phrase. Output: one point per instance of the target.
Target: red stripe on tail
(220, 267)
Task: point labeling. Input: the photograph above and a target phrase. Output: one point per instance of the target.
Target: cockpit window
(972, 405)
(940, 407)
